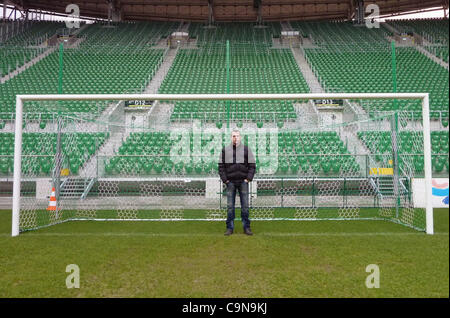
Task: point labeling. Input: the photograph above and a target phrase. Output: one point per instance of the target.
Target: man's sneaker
(248, 231)
(229, 232)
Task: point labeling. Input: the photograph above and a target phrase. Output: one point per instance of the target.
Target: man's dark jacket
(236, 163)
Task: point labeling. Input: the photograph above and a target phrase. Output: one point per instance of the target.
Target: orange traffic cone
(52, 202)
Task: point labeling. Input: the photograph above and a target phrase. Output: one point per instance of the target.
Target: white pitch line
(221, 234)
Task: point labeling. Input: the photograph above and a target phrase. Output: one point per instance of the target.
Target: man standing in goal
(236, 169)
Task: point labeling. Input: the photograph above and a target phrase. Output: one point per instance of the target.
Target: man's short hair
(235, 130)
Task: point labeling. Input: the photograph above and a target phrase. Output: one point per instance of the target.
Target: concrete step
(5, 203)
(286, 26)
(432, 57)
(75, 187)
(307, 72)
(160, 75)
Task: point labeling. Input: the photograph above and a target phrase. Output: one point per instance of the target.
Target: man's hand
(228, 181)
(246, 180)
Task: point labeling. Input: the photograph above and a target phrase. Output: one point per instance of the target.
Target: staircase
(307, 73)
(6, 203)
(183, 27)
(385, 185)
(92, 168)
(159, 76)
(76, 188)
(355, 145)
(432, 57)
(159, 118)
(286, 26)
(307, 115)
(389, 27)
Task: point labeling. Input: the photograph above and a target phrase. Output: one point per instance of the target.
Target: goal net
(155, 157)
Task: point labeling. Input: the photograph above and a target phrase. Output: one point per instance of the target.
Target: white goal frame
(20, 99)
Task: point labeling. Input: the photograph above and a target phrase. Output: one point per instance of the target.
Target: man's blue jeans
(242, 188)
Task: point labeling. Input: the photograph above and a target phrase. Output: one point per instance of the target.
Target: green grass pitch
(193, 259)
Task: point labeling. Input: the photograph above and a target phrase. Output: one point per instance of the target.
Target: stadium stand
(241, 32)
(379, 143)
(347, 58)
(26, 45)
(433, 33)
(108, 66)
(256, 68)
(125, 36)
(122, 58)
(77, 149)
(323, 153)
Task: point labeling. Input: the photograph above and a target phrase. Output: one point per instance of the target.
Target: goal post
(310, 180)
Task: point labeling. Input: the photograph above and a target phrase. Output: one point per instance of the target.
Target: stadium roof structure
(225, 10)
